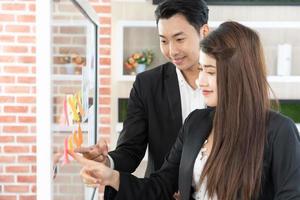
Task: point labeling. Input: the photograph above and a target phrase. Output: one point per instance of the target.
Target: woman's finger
(86, 176)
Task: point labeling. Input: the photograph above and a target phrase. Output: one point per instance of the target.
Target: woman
(236, 149)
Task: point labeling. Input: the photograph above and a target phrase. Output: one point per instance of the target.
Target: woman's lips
(206, 92)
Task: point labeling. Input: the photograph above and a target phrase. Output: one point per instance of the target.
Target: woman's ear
(204, 30)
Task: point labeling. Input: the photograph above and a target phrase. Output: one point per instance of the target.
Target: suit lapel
(197, 133)
(173, 93)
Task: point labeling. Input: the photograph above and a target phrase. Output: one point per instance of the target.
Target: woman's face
(207, 80)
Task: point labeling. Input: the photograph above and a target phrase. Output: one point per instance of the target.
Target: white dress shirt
(191, 99)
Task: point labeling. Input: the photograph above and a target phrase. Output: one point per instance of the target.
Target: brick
(33, 70)
(7, 119)
(15, 109)
(105, 81)
(104, 100)
(17, 28)
(105, 61)
(26, 80)
(16, 188)
(7, 197)
(105, 41)
(27, 197)
(7, 159)
(6, 178)
(7, 79)
(104, 110)
(25, 100)
(79, 40)
(6, 59)
(16, 149)
(33, 188)
(105, 20)
(16, 69)
(62, 40)
(33, 109)
(26, 18)
(6, 99)
(15, 129)
(26, 59)
(102, 9)
(27, 159)
(33, 168)
(31, 7)
(13, 6)
(26, 39)
(33, 90)
(105, 91)
(26, 139)
(72, 30)
(106, 71)
(16, 89)
(15, 49)
(6, 18)
(105, 130)
(105, 31)
(17, 169)
(104, 51)
(7, 38)
(26, 119)
(4, 139)
(26, 179)
(105, 120)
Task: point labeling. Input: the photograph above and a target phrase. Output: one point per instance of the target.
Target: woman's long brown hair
(234, 167)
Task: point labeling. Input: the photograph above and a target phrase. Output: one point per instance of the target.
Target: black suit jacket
(281, 167)
(153, 117)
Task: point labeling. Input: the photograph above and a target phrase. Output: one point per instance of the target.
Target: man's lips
(178, 61)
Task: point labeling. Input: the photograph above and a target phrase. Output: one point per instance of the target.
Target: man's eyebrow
(175, 35)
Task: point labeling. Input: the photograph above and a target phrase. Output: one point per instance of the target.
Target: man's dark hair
(195, 11)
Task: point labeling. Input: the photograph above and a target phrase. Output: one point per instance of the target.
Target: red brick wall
(17, 100)
(18, 95)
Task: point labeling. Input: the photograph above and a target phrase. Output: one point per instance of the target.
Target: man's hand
(96, 152)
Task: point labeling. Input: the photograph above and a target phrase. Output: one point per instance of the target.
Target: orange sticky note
(80, 136)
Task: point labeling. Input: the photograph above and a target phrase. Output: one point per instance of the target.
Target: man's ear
(204, 30)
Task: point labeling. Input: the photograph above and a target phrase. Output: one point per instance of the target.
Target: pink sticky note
(66, 157)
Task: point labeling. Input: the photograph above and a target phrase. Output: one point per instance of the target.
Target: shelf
(284, 79)
(119, 127)
(271, 79)
(64, 128)
(67, 77)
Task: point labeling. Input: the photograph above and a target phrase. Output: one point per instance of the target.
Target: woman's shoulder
(281, 127)
(277, 120)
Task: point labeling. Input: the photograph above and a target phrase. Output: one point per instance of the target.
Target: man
(163, 97)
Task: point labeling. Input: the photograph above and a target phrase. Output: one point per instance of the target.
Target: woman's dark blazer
(281, 167)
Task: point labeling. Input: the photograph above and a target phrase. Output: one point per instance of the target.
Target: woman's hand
(94, 173)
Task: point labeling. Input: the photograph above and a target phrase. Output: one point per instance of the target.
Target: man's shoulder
(158, 72)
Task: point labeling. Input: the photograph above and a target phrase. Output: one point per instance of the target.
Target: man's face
(179, 42)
